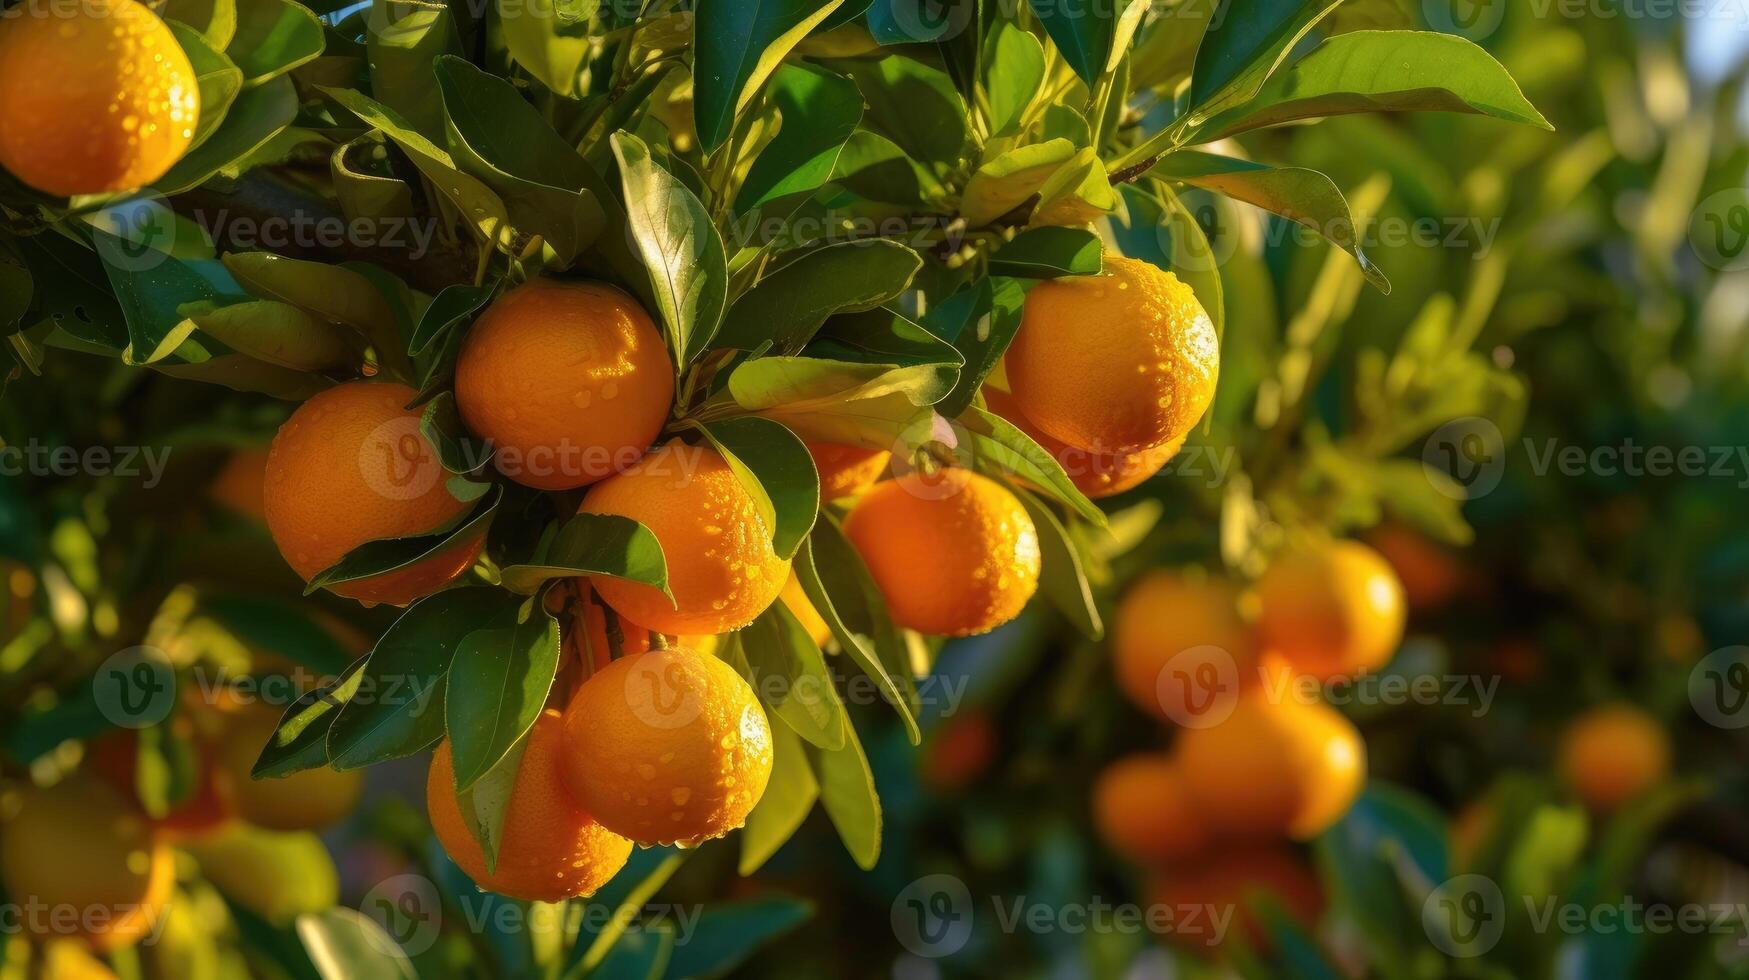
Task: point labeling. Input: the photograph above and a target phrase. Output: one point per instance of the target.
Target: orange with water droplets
(95, 98)
(351, 466)
(569, 381)
(845, 470)
(552, 848)
(1119, 362)
(722, 568)
(669, 746)
(1097, 475)
(956, 557)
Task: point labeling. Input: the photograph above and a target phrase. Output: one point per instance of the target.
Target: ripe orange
(78, 861)
(351, 466)
(1180, 648)
(114, 757)
(307, 800)
(1430, 575)
(1114, 363)
(570, 381)
(552, 848)
(1613, 753)
(722, 569)
(844, 470)
(667, 746)
(240, 483)
(93, 99)
(1142, 810)
(962, 560)
(1330, 610)
(1273, 767)
(1096, 474)
(1227, 889)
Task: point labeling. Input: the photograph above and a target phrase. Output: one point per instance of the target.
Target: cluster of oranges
(88, 862)
(95, 98)
(1257, 761)
(571, 386)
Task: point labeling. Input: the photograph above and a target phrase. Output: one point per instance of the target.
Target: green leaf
(278, 333)
(1381, 71)
(789, 797)
(1000, 449)
(874, 168)
(1301, 195)
(301, 740)
(331, 293)
(214, 20)
(1011, 179)
(448, 311)
(1167, 49)
(884, 336)
(1014, 75)
(837, 401)
(257, 115)
(499, 681)
(980, 321)
(217, 78)
(1245, 42)
(818, 112)
(501, 139)
(737, 44)
(153, 290)
(1083, 34)
(843, 592)
(402, 42)
(727, 933)
(1063, 577)
(273, 37)
(847, 791)
(913, 105)
(789, 672)
(645, 872)
(777, 471)
(683, 255)
(1048, 253)
(387, 555)
(787, 307)
(641, 955)
(1077, 193)
(343, 942)
(399, 708)
(594, 544)
(545, 43)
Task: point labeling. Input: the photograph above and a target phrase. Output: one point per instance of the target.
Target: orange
(1228, 889)
(1430, 575)
(1331, 610)
(552, 848)
(959, 750)
(1179, 647)
(845, 470)
(240, 483)
(1613, 753)
(1273, 767)
(1142, 810)
(722, 569)
(586, 633)
(114, 757)
(803, 609)
(306, 800)
(959, 559)
(94, 98)
(351, 466)
(569, 381)
(78, 861)
(1095, 474)
(669, 746)
(1114, 363)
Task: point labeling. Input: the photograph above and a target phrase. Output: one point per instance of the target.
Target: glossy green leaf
(1014, 70)
(593, 544)
(402, 43)
(818, 112)
(257, 115)
(789, 798)
(683, 255)
(1083, 33)
(790, 674)
(1245, 42)
(1011, 179)
(387, 555)
(549, 46)
(301, 740)
(1063, 573)
(273, 37)
(737, 44)
(278, 333)
(217, 78)
(843, 592)
(1002, 450)
(499, 681)
(1048, 253)
(837, 401)
(788, 306)
(847, 792)
(777, 470)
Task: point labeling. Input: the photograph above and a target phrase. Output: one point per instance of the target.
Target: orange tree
(587, 314)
